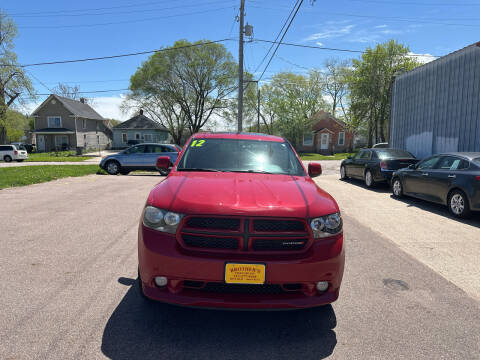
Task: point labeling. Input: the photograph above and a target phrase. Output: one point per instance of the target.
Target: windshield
(233, 155)
(393, 153)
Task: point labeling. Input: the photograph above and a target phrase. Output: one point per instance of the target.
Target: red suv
(238, 223)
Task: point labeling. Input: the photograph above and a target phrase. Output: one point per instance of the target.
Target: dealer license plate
(244, 273)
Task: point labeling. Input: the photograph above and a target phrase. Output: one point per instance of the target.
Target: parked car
(139, 157)
(12, 152)
(28, 147)
(380, 146)
(451, 179)
(239, 223)
(375, 165)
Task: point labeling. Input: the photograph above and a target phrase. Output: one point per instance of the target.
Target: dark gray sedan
(139, 157)
(451, 179)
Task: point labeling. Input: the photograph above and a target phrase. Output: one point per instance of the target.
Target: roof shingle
(140, 122)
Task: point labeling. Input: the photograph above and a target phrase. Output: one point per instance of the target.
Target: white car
(13, 152)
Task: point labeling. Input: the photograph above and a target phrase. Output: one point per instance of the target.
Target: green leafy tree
(229, 112)
(13, 81)
(293, 100)
(370, 85)
(183, 87)
(333, 81)
(16, 124)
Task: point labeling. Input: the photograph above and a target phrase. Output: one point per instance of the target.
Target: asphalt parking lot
(68, 267)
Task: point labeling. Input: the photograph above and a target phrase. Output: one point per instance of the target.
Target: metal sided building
(436, 107)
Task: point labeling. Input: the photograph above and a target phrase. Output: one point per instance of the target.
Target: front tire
(369, 179)
(458, 204)
(7, 158)
(112, 167)
(343, 173)
(397, 188)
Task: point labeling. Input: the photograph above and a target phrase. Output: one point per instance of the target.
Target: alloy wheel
(457, 204)
(397, 188)
(112, 168)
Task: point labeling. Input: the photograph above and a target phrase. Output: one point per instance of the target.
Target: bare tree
(71, 92)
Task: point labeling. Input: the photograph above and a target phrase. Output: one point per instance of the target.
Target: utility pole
(258, 107)
(240, 66)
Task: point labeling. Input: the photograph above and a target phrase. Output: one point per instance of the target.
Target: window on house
(84, 123)
(54, 121)
(137, 136)
(307, 139)
(341, 138)
(148, 137)
(124, 138)
(61, 140)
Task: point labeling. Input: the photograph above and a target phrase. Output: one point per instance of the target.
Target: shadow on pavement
(140, 329)
(442, 210)
(378, 187)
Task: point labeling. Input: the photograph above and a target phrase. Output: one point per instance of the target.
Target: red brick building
(328, 136)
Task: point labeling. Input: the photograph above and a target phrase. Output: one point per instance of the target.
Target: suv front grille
(244, 234)
(213, 223)
(222, 288)
(278, 225)
(202, 241)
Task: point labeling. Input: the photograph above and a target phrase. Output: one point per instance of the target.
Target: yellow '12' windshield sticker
(197, 143)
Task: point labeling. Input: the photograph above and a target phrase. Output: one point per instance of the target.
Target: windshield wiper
(199, 169)
(254, 171)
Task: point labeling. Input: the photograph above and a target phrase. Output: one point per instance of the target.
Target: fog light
(161, 281)
(322, 286)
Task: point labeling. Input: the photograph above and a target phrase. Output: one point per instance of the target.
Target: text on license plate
(244, 273)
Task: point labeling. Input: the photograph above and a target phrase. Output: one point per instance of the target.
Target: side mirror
(314, 169)
(163, 163)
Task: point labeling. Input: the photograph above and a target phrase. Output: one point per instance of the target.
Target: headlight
(326, 225)
(161, 220)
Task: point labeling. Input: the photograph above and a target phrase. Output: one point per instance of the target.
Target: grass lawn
(60, 156)
(26, 175)
(313, 156)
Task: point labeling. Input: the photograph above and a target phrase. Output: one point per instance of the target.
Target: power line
(281, 39)
(388, 18)
(417, 3)
(278, 35)
(117, 56)
(118, 13)
(90, 9)
(84, 92)
(336, 49)
(122, 22)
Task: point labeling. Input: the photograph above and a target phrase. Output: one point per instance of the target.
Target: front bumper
(20, 156)
(159, 254)
(386, 175)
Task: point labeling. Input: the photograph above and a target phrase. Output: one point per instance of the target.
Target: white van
(12, 152)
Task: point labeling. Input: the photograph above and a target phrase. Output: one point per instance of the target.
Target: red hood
(242, 194)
